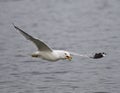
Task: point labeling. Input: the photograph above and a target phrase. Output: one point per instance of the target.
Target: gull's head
(68, 56)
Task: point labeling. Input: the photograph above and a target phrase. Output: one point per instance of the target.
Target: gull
(47, 53)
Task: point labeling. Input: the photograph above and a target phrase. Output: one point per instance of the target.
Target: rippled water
(83, 26)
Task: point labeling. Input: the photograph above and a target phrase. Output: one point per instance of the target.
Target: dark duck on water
(98, 55)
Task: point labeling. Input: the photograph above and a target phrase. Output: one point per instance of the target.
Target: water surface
(83, 26)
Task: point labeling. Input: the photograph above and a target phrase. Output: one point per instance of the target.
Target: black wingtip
(18, 28)
(14, 25)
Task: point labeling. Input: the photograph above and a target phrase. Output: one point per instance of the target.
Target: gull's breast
(49, 56)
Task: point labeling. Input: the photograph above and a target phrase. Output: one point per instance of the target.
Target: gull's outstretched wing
(40, 44)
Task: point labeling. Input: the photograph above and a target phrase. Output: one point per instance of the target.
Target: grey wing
(40, 44)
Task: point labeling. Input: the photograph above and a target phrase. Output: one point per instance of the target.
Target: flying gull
(47, 53)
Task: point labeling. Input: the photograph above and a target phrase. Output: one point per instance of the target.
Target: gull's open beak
(69, 58)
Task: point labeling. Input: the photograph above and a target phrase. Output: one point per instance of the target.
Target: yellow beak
(69, 58)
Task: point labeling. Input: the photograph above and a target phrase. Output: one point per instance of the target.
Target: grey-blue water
(83, 26)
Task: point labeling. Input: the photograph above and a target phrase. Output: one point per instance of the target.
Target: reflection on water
(80, 26)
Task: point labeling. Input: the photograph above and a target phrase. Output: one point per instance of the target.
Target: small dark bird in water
(99, 55)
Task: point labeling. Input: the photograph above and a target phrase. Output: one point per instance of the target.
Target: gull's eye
(66, 54)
